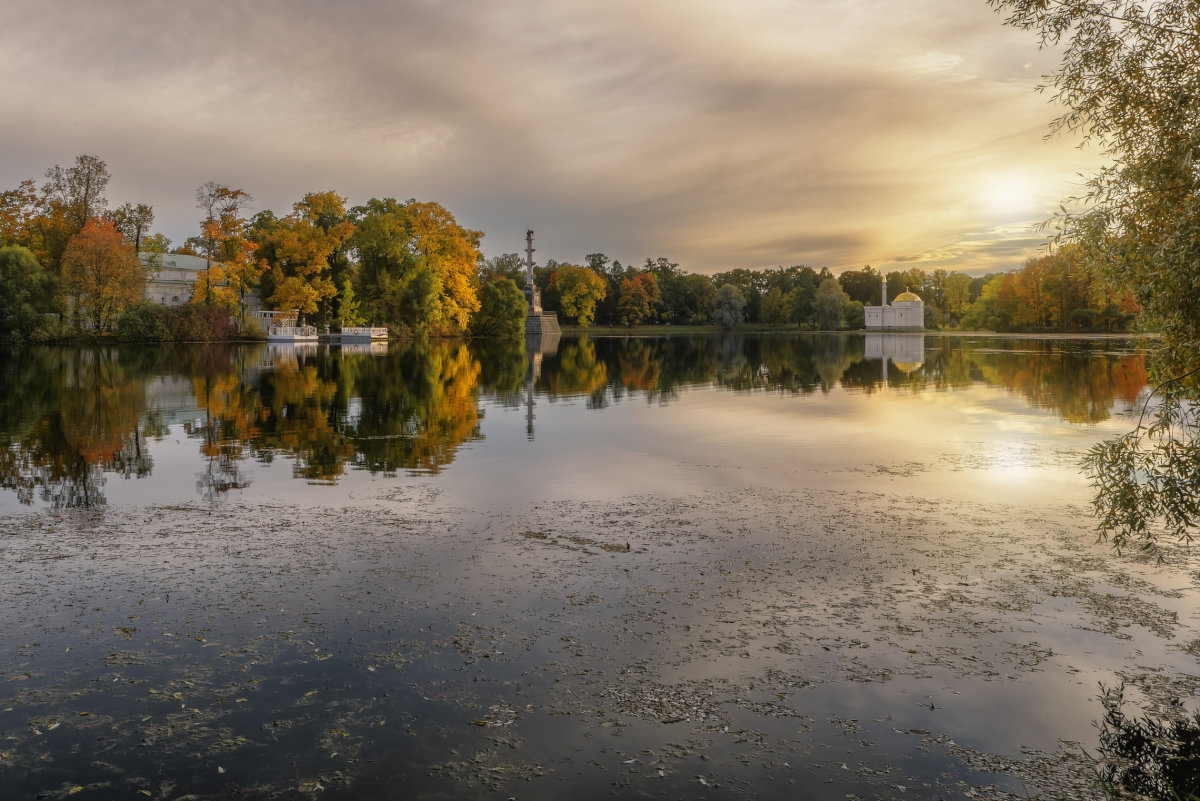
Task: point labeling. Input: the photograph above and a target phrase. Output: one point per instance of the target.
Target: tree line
(70, 264)
(1056, 291)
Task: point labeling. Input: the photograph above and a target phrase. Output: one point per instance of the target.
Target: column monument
(537, 321)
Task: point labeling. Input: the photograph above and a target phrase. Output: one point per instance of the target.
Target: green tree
(829, 305)
(862, 285)
(752, 285)
(698, 292)
(348, 314)
(28, 292)
(854, 315)
(775, 309)
(728, 306)
(502, 310)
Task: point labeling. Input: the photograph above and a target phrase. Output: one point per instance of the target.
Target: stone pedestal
(543, 324)
(537, 321)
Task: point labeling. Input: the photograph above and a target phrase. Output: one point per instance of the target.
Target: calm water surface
(788, 566)
(598, 418)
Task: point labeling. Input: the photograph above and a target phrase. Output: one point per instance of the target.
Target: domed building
(906, 313)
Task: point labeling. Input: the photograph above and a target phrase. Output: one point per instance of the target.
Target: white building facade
(906, 313)
(171, 280)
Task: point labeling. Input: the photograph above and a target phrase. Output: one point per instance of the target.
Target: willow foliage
(1129, 80)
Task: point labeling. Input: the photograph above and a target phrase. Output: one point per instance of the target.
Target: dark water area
(822, 567)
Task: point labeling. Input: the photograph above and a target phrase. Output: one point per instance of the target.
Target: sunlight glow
(1009, 193)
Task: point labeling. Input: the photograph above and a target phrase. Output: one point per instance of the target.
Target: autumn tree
(101, 275)
(78, 189)
(133, 222)
(637, 297)
(417, 265)
(1127, 79)
(451, 253)
(19, 208)
(70, 197)
(958, 295)
(217, 201)
(579, 290)
(227, 281)
(156, 243)
(507, 265)
(299, 252)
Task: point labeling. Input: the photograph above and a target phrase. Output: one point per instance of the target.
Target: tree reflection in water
(71, 417)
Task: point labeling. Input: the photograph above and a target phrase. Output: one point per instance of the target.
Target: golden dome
(906, 297)
(907, 367)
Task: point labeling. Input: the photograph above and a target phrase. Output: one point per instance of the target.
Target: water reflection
(71, 418)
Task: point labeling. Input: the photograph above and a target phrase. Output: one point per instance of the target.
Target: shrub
(143, 322)
(195, 323)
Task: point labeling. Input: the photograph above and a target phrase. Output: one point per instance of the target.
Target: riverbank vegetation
(76, 268)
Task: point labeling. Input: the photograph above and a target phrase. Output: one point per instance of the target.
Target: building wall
(173, 282)
(903, 314)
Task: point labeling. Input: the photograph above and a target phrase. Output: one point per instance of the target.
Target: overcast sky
(744, 133)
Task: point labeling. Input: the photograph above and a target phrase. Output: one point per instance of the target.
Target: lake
(819, 566)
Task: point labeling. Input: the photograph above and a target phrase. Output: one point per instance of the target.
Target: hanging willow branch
(1147, 482)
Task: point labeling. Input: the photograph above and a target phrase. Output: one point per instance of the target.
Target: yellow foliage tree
(301, 246)
(451, 253)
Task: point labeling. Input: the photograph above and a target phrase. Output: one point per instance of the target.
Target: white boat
(364, 333)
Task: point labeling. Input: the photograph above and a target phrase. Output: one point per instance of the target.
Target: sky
(743, 133)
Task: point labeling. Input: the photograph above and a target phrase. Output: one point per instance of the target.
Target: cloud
(749, 134)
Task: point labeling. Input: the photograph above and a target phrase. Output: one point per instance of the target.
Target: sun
(1009, 193)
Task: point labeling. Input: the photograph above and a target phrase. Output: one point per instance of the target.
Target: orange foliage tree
(101, 275)
(637, 298)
